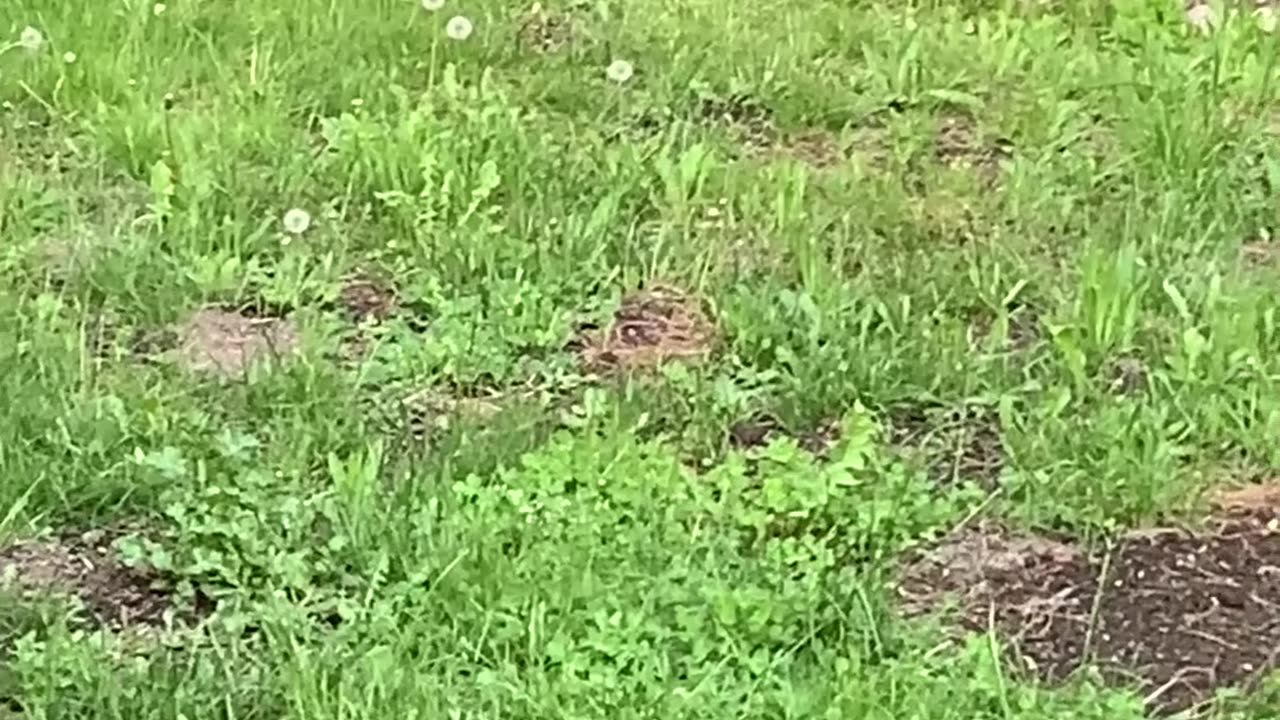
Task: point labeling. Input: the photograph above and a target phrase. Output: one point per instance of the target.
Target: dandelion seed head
(619, 71)
(31, 39)
(1200, 17)
(68, 57)
(158, 9)
(458, 28)
(296, 221)
(1266, 18)
(432, 5)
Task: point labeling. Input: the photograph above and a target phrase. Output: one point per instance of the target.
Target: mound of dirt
(1177, 612)
(226, 343)
(86, 568)
(651, 327)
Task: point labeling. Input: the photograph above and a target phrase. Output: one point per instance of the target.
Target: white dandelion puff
(159, 9)
(296, 221)
(31, 39)
(432, 5)
(620, 71)
(458, 28)
(1201, 17)
(1266, 17)
(68, 57)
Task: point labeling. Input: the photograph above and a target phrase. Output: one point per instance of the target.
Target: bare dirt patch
(1178, 613)
(756, 130)
(955, 443)
(227, 343)
(1257, 497)
(964, 565)
(958, 144)
(366, 298)
(653, 326)
(86, 568)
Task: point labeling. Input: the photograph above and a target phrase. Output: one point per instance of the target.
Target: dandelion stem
(431, 70)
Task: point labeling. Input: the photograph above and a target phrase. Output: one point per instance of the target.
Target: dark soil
(651, 327)
(1176, 613)
(954, 443)
(86, 567)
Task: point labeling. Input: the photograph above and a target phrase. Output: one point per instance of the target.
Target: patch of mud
(226, 343)
(956, 444)
(1175, 612)
(652, 327)
(86, 568)
(761, 429)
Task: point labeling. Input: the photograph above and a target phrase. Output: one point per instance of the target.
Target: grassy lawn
(647, 359)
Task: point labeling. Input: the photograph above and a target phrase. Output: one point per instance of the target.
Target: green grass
(596, 549)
